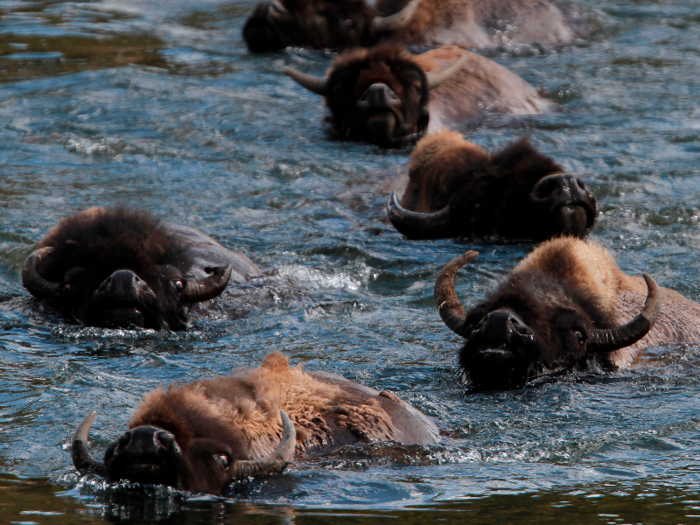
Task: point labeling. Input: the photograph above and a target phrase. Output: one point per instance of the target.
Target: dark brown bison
(338, 24)
(203, 435)
(116, 267)
(387, 97)
(567, 306)
(457, 189)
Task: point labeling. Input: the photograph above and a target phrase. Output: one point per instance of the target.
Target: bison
(566, 306)
(118, 267)
(339, 24)
(202, 436)
(457, 189)
(388, 97)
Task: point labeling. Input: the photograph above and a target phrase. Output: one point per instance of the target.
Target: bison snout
(147, 441)
(379, 96)
(495, 354)
(572, 209)
(145, 455)
(501, 327)
(122, 285)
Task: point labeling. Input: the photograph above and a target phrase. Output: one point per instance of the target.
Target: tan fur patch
(587, 264)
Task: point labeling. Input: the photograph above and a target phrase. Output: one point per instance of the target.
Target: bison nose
(560, 189)
(378, 96)
(122, 285)
(146, 442)
(501, 327)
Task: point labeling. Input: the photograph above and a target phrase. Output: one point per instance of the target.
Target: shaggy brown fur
(490, 195)
(480, 88)
(108, 238)
(189, 436)
(565, 288)
(326, 410)
(481, 23)
(341, 24)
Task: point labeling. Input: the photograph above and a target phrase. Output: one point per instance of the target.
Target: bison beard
(456, 189)
(551, 314)
(118, 268)
(203, 435)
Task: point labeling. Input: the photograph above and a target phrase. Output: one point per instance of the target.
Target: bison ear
(33, 281)
(198, 290)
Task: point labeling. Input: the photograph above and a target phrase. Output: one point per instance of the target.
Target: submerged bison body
(116, 267)
(567, 306)
(457, 189)
(387, 96)
(338, 24)
(203, 435)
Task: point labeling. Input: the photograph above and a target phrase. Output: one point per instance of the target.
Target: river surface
(158, 105)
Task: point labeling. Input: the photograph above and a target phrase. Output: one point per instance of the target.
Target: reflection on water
(159, 105)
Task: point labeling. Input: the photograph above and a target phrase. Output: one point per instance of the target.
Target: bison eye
(179, 285)
(349, 23)
(223, 460)
(580, 337)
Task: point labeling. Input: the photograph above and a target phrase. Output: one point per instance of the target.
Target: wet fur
(108, 239)
(568, 282)
(246, 405)
(479, 88)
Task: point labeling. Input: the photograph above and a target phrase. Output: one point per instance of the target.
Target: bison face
(276, 24)
(533, 324)
(118, 268)
(156, 456)
(515, 195)
(377, 95)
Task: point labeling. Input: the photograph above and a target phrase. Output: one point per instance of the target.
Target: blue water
(159, 105)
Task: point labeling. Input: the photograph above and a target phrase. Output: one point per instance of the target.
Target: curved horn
(601, 341)
(197, 290)
(314, 84)
(440, 76)
(384, 24)
(448, 306)
(33, 280)
(415, 225)
(275, 462)
(82, 459)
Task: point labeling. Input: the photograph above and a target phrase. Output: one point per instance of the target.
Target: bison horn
(415, 225)
(440, 76)
(82, 459)
(314, 84)
(385, 24)
(275, 462)
(197, 290)
(601, 341)
(448, 306)
(33, 280)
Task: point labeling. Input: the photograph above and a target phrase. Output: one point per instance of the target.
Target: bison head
(276, 24)
(118, 268)
(534, 323)
(180, 456)
(457, 189)
(377, 95)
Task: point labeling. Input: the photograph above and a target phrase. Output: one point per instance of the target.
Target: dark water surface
(158, 105)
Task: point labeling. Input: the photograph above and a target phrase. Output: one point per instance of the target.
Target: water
(159, 105)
